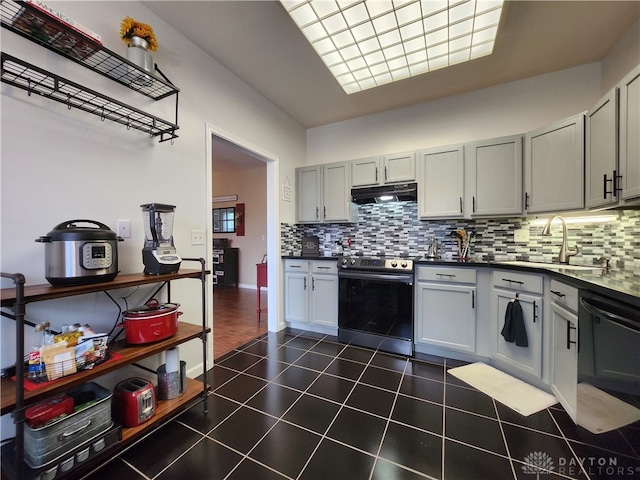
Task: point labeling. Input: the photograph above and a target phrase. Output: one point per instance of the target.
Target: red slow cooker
(150, 323)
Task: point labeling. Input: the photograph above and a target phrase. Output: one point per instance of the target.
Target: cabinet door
(446, 316)
(602, 151)
(554, 167)
(496, 177)
(526, 359)
(564, 365)
(296, 303)
(336, 192)
(400, 167)
(324, 300)
(308, 194)
(630, 135)
(441, 178)
(365, 172)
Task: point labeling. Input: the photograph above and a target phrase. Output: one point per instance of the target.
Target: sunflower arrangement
(130, 28)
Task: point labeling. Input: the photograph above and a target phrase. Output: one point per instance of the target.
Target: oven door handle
(377, 276)
(626, 322)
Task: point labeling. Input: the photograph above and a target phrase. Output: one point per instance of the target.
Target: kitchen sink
(553, 266)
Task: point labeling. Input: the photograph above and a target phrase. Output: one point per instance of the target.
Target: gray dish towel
(514, 328)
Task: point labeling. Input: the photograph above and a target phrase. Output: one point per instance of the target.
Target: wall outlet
(124, 228)
(521, 235)
(197, 237)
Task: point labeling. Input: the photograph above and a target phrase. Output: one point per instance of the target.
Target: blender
(159, 255)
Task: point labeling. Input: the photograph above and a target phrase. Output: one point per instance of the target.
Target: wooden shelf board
(129, 354)
(166, 408)
(36, 293)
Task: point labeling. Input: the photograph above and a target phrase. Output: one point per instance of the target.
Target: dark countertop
(622, 284)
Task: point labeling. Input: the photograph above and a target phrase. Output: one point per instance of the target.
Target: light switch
(124, 228)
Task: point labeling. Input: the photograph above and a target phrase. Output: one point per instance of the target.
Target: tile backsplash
(394, 228)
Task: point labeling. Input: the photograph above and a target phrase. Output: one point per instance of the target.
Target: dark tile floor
(299, 405)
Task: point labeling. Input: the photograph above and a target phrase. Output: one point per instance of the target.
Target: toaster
(133, 402)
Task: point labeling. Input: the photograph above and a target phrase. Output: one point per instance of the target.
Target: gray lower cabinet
(564, 352)
(311, 292)
(446, 308)
(527, 289)
(554, 167)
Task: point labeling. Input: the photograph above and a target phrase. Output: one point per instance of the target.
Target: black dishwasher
(609, 345)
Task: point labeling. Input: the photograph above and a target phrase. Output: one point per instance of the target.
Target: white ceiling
(258, 41)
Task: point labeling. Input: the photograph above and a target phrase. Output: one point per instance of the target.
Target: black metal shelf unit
(35, 25)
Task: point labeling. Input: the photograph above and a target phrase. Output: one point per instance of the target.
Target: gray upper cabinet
(308, 194)
(396, 168)
(441, 180)
(554, 167)
(495, 176)
(613, 146)
(365, 171)
(630, 135)
(602, 152)
(323, 194)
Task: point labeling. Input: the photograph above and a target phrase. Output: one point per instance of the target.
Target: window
(224, 220)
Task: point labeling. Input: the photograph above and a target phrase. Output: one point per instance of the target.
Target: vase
(138, 53)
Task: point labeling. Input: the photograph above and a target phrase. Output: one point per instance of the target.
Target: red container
(41, 412)
(133, 402)
(151, 323)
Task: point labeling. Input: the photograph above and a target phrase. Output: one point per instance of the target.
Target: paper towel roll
(172, 357)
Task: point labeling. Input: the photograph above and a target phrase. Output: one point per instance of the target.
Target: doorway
(241, 178)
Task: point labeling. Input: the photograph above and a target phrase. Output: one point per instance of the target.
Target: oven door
(375, 310)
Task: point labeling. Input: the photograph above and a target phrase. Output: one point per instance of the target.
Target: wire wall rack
(38, 81)
(42, 28)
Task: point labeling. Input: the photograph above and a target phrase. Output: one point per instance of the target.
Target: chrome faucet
(563, 256)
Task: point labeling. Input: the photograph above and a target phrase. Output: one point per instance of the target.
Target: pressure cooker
(80, 255)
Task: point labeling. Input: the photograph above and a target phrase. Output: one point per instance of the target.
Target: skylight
(368, 43)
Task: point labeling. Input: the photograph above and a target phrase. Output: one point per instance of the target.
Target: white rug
(600, 412)
(512, 392)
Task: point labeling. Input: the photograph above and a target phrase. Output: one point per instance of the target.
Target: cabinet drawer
(521, 282)
(325, 266)
(296, 265)
(565, 295)
(446, 274)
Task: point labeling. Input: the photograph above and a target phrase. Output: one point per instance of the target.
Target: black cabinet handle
(317, 212)
(473, 209)
(569, 341)
(460, 204)
(617, 180)
(560, 294)
(512, 281)
(606, 192)
(325, 212)
(473, 299)
(535, 312)
(526, 200)
(305, 283)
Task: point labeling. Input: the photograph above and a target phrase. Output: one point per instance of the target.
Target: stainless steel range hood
(400, 192)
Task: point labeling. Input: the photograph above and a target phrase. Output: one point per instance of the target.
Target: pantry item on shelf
(80, 255)
(49, 443)
(151, 322)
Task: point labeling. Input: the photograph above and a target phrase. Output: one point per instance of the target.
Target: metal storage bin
(46, 444)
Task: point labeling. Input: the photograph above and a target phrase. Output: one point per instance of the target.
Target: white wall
(59, 165)
(510, 108)
(251, 188)
(506, 109)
